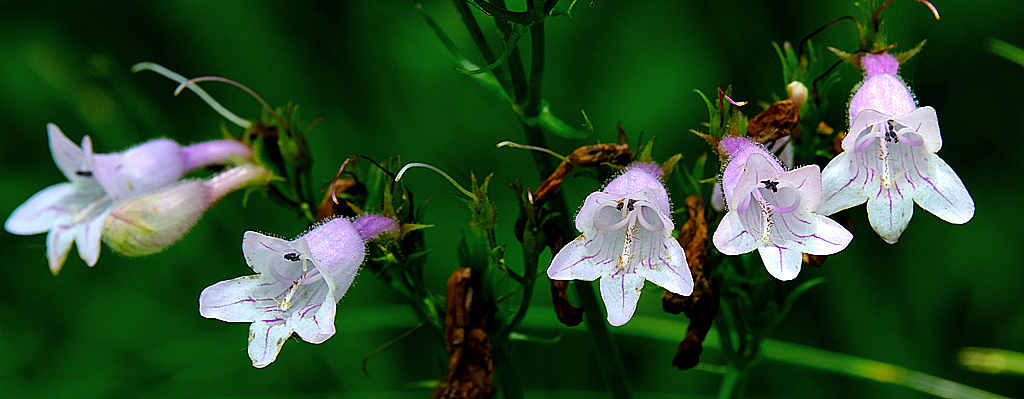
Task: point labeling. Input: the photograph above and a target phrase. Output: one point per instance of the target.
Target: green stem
(530, 265)
(515, 61)
(608, 358)
(508, 380)
(733, 384)
(610, 362)
(477, 34)
(533, 105)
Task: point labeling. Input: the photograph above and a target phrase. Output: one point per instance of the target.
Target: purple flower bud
(150, 224)
(627, 239)
(882, 90)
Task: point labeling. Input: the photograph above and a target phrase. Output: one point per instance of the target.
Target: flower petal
(758, 168)
(842, 184)
(38, 214)
(924, 122)
(807, 181)
(889, 213)
(88, 238)
(943, 193)
(263, 251)
(58, 244)
(731, 238)
(315, 322)
(595, 201)
(860, 125)
(621, 293)
(781, 263)
(234, 300)
(828, 238)
(68, 156)
(574, 261)
(265, 341)
(667, 266)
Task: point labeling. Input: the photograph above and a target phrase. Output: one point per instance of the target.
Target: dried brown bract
(781, 118)
(702, 306)
(567, 313)
(470, 367)
(328, 208)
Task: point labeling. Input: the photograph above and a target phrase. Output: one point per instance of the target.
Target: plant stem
(608, 359)
(466, 14)
(515, 61)
(506, 373)
(533, 105)
(733, 384)
(530, 260)
(612, 371)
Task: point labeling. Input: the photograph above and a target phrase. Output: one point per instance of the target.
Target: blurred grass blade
(992, 361)
(870, 370)
(1006, 50)
(786, 352)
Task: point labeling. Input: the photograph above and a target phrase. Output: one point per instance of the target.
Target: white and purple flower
(75, 211)
(772, 210)
(627, 239)
(298, 284)
(889, 158)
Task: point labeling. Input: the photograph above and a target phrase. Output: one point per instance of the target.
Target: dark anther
(630, 205)
(890, 133)
(771, 185)
(294, 257)
(84, 173)
(618, 206)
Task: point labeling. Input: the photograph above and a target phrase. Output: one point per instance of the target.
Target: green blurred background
(386, 86)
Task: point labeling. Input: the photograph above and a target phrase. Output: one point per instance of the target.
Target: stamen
(771, 185)
(535, 148)
(431, 167)
(874, 17)
(731, 101)
(334, 197)
(167, 73)
(890, 133)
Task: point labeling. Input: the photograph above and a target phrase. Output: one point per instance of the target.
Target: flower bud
(159, 163)
(882, 90)
(150, 224)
